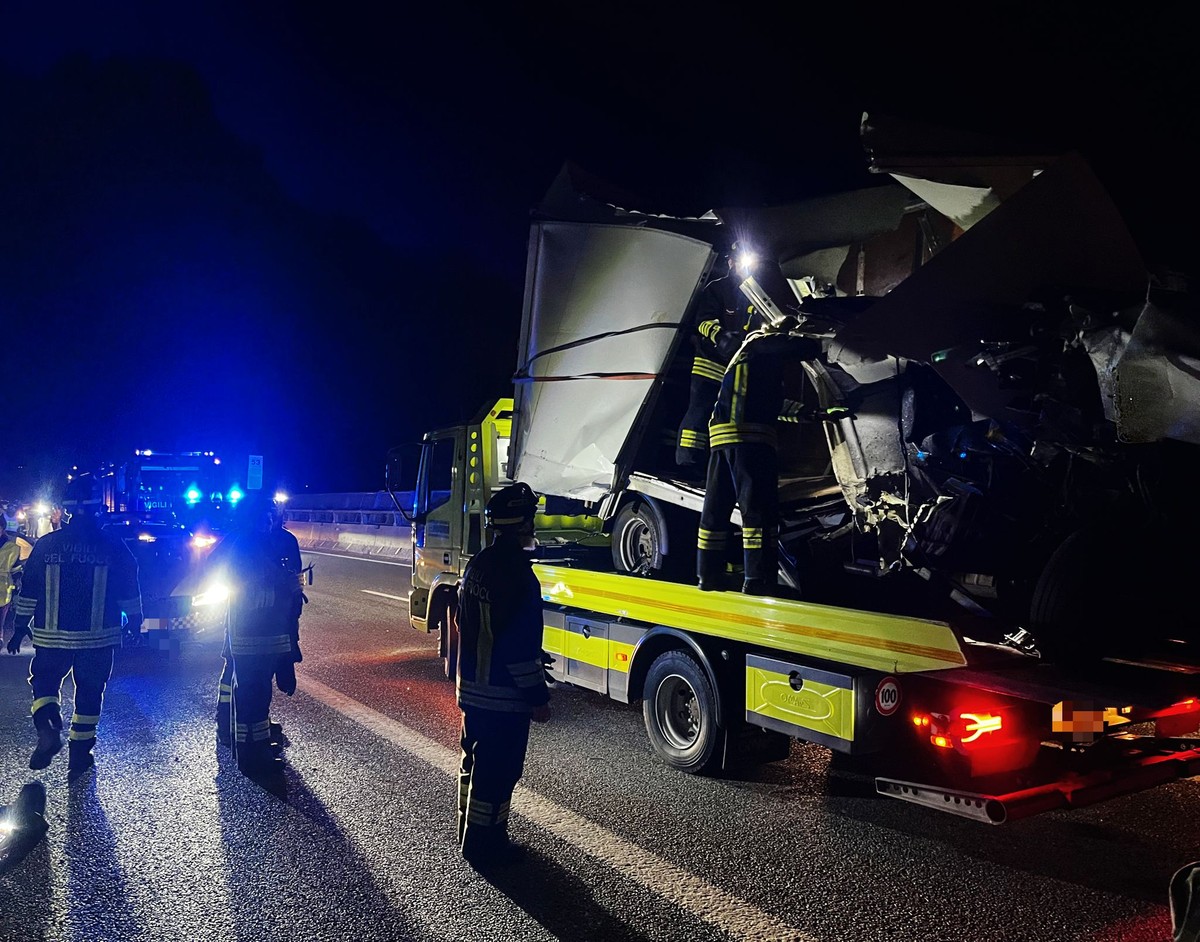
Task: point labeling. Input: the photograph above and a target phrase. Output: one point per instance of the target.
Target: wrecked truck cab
(1021, 400)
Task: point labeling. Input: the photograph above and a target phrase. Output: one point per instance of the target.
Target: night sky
(299, 230)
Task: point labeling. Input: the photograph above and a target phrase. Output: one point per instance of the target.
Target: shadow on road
(557, 899)
(96, 882)
(292, 872)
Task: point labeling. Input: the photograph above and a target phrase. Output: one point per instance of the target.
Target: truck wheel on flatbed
(679, 708)
(1079, 610)
(638, 537)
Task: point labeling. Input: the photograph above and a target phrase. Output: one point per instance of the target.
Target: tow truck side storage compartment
(804, 702)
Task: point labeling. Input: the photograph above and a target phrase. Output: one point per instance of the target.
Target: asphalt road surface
(166, 840)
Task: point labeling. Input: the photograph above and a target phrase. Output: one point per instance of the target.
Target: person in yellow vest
(10, 566)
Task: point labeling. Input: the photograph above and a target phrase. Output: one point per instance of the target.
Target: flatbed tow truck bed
(1005, 735)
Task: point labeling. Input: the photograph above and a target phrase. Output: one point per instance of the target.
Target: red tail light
(965, 730)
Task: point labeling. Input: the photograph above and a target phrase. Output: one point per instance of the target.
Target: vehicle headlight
(214, 594)
(203, 541)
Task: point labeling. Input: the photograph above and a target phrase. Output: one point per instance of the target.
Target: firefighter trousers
(745, 474)
(691, 445)
(251, 679)
(225, 699)
(493, 758)
(90, 669)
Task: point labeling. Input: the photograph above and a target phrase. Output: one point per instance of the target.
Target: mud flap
(745, 746)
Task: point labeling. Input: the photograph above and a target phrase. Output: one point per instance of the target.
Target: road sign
(254, 474)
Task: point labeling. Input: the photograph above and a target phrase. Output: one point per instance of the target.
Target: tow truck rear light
(1179, 719)
(976, 724)
(960, 731)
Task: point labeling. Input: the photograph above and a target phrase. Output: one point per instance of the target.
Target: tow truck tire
(679, 709)
(448, 637)
(638, 537)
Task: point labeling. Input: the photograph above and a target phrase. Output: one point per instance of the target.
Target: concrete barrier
(379, 542)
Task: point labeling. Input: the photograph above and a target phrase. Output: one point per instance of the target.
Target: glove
(285, 675)
(14, 643)
(727, 343)
(547, 660)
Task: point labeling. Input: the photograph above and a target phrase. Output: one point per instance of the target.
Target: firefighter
(501, 680)
(724, 318)
(259, 562)
(76, 583)
(742, 463)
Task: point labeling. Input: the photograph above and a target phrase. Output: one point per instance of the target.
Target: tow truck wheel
(448, 638)
(679, 708)
(638, 536)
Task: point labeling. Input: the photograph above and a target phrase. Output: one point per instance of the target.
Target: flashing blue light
(235, 494)
(193, 495)
(962, 455)
(922, 455)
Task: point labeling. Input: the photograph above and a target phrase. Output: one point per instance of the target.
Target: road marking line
(365, 559)
(738, 918)
(398, 598)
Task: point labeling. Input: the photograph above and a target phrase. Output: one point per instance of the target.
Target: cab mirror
(400, 477)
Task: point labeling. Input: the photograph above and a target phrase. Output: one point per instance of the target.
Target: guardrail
(361, 523)
(370, 508)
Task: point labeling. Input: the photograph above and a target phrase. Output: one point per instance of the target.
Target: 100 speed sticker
(887, 696)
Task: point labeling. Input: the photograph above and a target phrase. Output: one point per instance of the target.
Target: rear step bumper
(1075, 791)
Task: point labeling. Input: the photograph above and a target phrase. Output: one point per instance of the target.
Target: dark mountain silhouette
(158, 289)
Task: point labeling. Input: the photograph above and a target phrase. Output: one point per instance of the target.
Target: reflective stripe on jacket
(76, 584)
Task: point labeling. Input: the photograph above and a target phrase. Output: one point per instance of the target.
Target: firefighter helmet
(256, 511)
(511, 507)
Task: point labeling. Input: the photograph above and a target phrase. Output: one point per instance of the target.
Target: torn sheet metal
(1060, 232)
(1158, 378)
(966, 205)
(603, 308)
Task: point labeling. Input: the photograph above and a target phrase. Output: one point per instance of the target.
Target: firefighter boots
(48, 722)
(79, 758)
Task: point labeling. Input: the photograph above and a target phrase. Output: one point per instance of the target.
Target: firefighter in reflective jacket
(725, 316)
(77, 582)
(501, 680)
(742, 463)
(259, 562)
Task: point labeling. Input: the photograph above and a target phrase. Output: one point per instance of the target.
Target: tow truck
(960, 559)
(985, 731)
